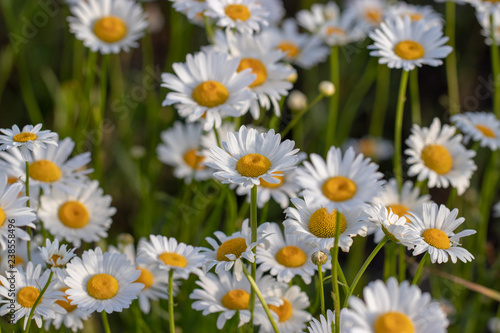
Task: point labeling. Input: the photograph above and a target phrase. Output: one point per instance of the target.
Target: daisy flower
(286, 257)
(28, 286)
(102, 281)
(167, 254)
(108, 26)
(437, 154)
(180, 148)
(246, 16)
(403, 43)
(247, 157)
(275, 10)
(227, 295)
(341, 30)
(292, 314)
(193, 9)
(208, 87)
(315, 225)
(82, 215)
(436, 227)
(392, 308)
(343, 182)
(13, 211)
(56, 256)
(426, 14)
(324, 325)
(369, 13)
(28, 139)
(484, 18)
(479, 126)
(20, 258)
(485, 6)
(377, 149)
(312, 20)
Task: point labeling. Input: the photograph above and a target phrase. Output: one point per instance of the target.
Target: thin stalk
(451, 60)
(451, 197)
(28, 203)
(335, 283)
(99, 115)
(398, 129)
(38, 300)
(402, 263)
(419, 269)
(416, 113)
(334, 100)
(299, 116)
(321, 291)
(388, 255)
(209, 29)
(171, 300)
(253, 222)
(381, 101)
(105, 322)
(495, 64)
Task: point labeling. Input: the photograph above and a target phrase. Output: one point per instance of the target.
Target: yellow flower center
(284, 311)
(399, 210)
(45, 171)
(335, 31)
(193, 159)
(110, 29)
(27, 296)
(66, 303)
(437, 158)
(339, 188)
(74, 214)
(257, 67)
(18, 260)
(54, 259)
(12, 180)
(253, 165)
(102, 286)
(237, 299)
(237, 12)
(234, 246)
(436, 238)
(2, 216)
(210, 94)
(409, 50)
(393, 322)
(25, 137)
(173, 259)
(263, 183)
(486, 131)
(146, 278)
(291, 49)
(413, 16)
(367, 147)
(323, 224)
(291, 256)
(373, 15)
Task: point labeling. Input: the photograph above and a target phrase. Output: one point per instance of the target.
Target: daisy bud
(319, 258)
(292, 77)
(297, 101)
(125, 239)
(326, 88)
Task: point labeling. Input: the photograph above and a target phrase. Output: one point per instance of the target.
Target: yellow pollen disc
(237, 12)
(257, 67)
(2, 216)
(284, 311)
(210, 94)
(374, 15)
(367, 147)
(409, 50)
(393, 322)
(27, 296)
(436, 238)
(322, 224)
(335, 31)
(486, 131)
(73, 214)
(54, 259)
(237, 299)
(18, 261)
(234, 246)
(289, 48)
(66, 303)
(12, 180)
(193, 159)
(102, 286)
(399, 210)
(291, 256)
(253, 165)
(437, 158)
(25, 137)
(414, 16)
(173, 259)
(110, 29)
(146, 278)
(45, 171)
(263, 183)
(339, 188)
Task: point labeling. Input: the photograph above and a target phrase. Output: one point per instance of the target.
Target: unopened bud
(319, 258)
(326, 88)
(297, 101)
(125, 239)
(293, 76)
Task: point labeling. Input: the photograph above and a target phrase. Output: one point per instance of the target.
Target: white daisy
(369, 13)
(438, 155)
(102, 281)
(180, 148)
(286, 256)
(28, 139)
(341, 30)
(486, 6)
(226, 294)
(193, 9)
(82, 215)
(484, 18)
(403, 43)
(108, 26)
(208, 87)
(14, 215)
(246, 16)
(26, 287)
(342, 182)
(436, 227)
(323, 325)
(377, 149)
(426, 14)
(56, 256)
(20, 258)
(312, 20)
(479, 126)
(275, 10)
(247, 157)
(167, 254)
(315, 225)
(393, 308)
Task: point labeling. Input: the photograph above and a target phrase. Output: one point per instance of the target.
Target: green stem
(420, 267)
(334, 100)
(451, 60)
(381, 101)
(28, 203)
(335, 282)
(171, 300)
(495, 64)
(388, 254)
(209, 29)
(38, 300)
(256, 290)
(321, 291)
(105, 322)
(99, 115)
(398, 129)
(451, 198)
(402, 263)
(415, 98)
(299, 116)
(253, 222)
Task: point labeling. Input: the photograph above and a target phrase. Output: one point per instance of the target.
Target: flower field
(250, 166)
